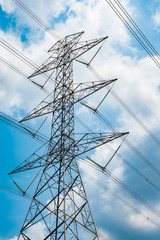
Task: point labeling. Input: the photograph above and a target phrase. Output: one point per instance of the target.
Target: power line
(41, 23)
(151, 51)
(22, 128)
(19, 72)
(14, 191)
(128, 189)
(17, 53)
(118, 197)
(24, 59)
(137, 28)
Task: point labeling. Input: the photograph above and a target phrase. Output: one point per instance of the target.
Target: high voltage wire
(149, 50)
(137, 28)
(131, 113)
(19, 72)
(14, 68)
(117, 196)
(39, 21)
(36, 18)
(14, 191)
(22, 127)
(22, 58)
(18, 54)
(127, 189)
(140, 174)
(53, 34)
(142, 157)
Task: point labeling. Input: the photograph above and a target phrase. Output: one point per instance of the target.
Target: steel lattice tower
(60, 203)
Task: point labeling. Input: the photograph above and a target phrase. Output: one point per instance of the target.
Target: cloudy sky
(132, 105)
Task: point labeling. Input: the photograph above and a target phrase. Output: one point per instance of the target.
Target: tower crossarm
(43, 108)
(32, 162)
(56, 59)
(36, 160)
(81, 91)
(92, 141)
(75, 50)
(72, 39)
(85, 46)
(86, 142)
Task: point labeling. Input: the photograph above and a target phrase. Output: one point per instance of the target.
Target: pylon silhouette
(60, 203)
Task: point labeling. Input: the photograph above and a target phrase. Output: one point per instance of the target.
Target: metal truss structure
(60, 203)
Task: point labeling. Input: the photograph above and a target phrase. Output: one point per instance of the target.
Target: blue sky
(138, 86)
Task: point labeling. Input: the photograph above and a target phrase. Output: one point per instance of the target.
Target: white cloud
(138, 221)
(93, 13)
(7, 6)
(103, 235)
(15, 238)
(145, 220)
(20, 94)
(35, 233)
(52, 8)
(156, 19)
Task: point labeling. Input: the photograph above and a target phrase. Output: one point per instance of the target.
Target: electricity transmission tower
(60, 203)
